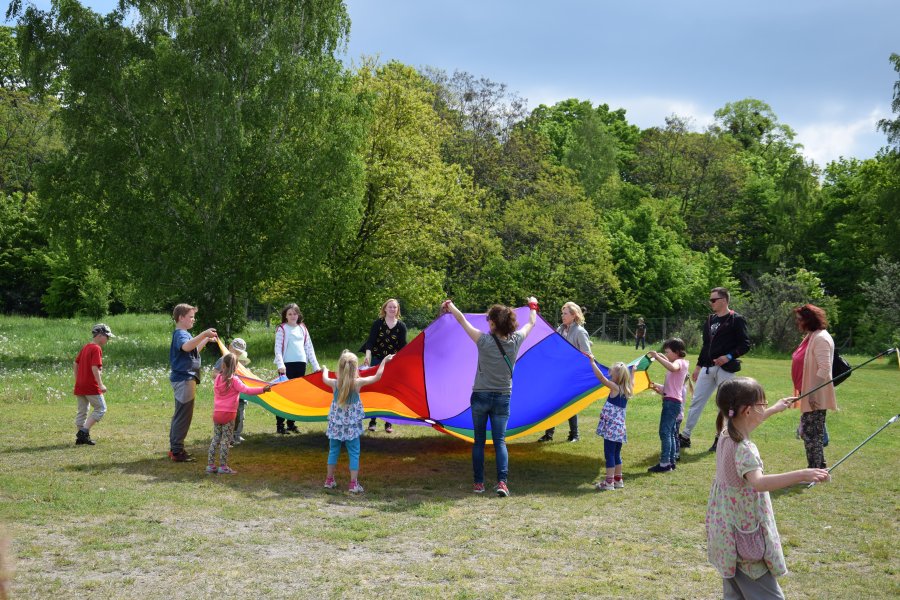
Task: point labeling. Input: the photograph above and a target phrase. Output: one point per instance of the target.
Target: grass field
(119, 520)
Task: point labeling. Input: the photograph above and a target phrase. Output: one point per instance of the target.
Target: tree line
(222, 154)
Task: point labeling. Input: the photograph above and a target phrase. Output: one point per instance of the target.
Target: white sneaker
(605, 486)
(355, 488)
(619, 484)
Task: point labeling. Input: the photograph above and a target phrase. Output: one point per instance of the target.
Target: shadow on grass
(400, 473)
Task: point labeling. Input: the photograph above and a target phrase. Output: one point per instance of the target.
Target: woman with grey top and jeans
(491, 390)
(572, 328)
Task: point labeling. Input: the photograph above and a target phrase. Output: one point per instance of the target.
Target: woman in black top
(387, 336)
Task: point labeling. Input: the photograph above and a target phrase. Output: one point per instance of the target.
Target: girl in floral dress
(346, 415)
(743, 541)
(612, 422)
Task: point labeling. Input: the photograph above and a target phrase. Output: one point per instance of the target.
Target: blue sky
(821, 64)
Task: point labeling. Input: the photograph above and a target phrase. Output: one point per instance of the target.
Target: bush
(75, 290)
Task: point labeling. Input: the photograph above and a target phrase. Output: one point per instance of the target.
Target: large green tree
(406, 220)
(205, 141)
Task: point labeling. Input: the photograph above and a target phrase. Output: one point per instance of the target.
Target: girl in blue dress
(612, 421)
(346, 415)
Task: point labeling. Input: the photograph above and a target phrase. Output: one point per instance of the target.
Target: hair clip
(731, 413)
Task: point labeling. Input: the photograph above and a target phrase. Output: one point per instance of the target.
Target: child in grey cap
(89, 388)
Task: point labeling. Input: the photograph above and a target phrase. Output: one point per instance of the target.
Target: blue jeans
(667, 427)
(493, 406)
(612, 452)
(334, 449)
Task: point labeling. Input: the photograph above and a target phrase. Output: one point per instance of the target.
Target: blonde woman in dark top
(387, 336)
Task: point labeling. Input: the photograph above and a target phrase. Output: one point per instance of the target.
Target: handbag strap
(503, 352)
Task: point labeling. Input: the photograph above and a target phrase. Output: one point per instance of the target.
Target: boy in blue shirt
(184, 358)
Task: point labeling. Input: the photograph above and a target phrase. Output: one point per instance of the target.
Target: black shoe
(280, 430)
(181, 457)
(657, 468)
(714, 444)
(573, 438)
(84, 437)
(293, 429)
(546, 438)
(684, 441)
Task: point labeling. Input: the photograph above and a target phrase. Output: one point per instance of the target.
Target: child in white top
(346, 415)
(672, 392)
(293, 353)
(743, 541)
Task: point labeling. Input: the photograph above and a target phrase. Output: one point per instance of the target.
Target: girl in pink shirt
(227, 391)
(672, 392)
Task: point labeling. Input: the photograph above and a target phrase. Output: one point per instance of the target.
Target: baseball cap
(240, 349)
(102, 329)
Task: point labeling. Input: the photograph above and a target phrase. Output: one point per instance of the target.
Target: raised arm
(470, 329)
(603, 379)
(362, 381)
(326, 379)
(200, 340)
(665, 362)
(532, 317)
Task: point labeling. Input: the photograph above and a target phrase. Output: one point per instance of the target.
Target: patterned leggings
(222, 435)
(813, 426)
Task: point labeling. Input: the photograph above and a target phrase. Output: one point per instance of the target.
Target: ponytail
(732, 396)
(229, 365)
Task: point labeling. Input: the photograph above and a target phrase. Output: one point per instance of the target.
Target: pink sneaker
(226, 470)
(502, 490)
(478, 488)
(211, 469)
(330, 483)
(355, 488)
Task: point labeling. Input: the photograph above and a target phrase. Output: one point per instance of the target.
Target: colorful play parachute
(430, 380)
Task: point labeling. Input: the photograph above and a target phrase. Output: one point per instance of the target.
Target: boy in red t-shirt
(89, 388)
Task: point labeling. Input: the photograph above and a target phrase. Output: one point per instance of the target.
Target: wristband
(533, 305)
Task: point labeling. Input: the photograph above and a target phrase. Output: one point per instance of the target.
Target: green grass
(118, 520)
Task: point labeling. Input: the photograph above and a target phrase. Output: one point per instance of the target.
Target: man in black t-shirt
(725, 338)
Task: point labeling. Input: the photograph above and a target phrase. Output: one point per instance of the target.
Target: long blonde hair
(229, 365)
(620, 375)
(348, 367)
(383, 312)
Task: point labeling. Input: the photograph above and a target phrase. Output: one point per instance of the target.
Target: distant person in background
(810, 368)
(387, 336)
(725, 338)
(293, 352)
(89, 388)
(571, 328)
(640, 334)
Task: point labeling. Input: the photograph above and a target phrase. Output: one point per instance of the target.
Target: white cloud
(825, 141)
